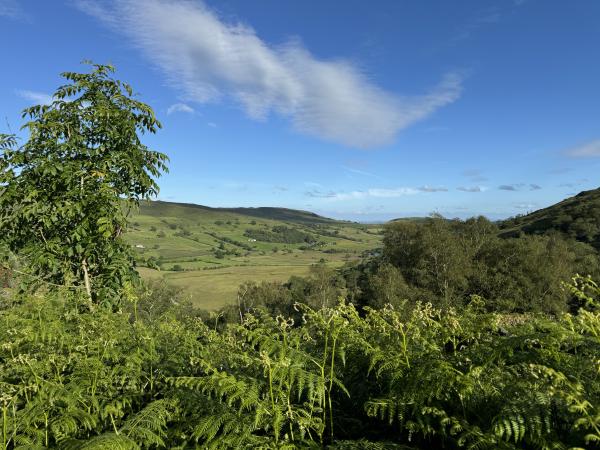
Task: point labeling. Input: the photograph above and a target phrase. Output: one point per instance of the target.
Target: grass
(211, 289)
(212, 256)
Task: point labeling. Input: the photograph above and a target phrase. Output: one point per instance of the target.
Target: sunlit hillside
(211, 251)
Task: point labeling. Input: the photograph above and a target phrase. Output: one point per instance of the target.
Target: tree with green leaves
(66, 193)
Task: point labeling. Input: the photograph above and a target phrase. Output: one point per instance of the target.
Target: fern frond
(109, 441)
(147, 427)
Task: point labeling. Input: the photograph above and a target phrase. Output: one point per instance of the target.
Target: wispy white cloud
(363, 194)
(12, 10)
(587, 150)
(180, 107)
(391, 193)
(208, 58)
(38, 98)
(433, 189)
(511, 187)
(471, 188)
(318, 192)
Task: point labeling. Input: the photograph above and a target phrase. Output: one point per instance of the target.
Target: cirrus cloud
(34, 97)
(587, 150)
(180, 107)
(427, 188)
(12, 10)
(519, 187)
(209, 59)
(471, 188)
(362, 194)
(509, 187)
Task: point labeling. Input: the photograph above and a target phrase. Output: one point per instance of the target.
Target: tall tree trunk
(86, 279)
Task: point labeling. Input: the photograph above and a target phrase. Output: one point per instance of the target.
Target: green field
(209, 251)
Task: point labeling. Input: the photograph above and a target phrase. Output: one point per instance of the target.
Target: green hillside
(210, 251)
(410, 219)
(577, 217)
(284, 214)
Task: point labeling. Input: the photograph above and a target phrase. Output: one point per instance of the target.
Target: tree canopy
(67, 190)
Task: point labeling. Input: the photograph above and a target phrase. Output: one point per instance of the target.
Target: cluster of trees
(228, 222)
(437, 342)
(231, 241)
(324, 230)
(280, 234)
(446, 262)
(322, 288)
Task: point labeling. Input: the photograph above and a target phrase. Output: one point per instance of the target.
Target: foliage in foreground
(419, 378)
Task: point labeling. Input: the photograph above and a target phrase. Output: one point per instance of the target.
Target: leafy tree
(388, 287)
(67, 191)
(447, 261)
(524, 274)
(273, 296)
(430, 255)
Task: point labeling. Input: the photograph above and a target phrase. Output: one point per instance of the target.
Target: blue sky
(353, 109)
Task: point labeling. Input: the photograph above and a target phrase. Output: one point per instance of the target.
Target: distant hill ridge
(577, 217)
(162, 208)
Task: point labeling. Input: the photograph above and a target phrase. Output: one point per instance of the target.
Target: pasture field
(210, 251)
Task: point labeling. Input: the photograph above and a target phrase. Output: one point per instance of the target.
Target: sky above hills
(357, 110)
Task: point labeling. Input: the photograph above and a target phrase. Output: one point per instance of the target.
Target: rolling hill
(161, 208)
(210, 251)
(577, 217)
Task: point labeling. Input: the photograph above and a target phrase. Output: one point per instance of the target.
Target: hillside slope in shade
(577, 217)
